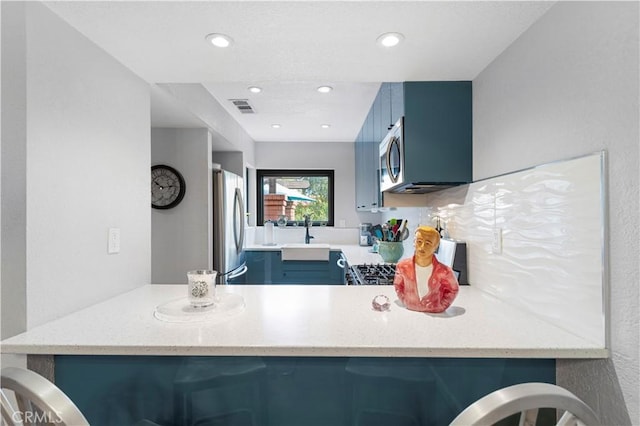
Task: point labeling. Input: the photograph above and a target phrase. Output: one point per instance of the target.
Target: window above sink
(286, 196)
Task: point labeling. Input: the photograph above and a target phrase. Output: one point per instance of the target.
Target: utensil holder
(390, 251)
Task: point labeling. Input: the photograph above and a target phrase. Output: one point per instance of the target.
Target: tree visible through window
(292, 194)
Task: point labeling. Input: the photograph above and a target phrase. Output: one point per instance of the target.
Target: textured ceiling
(290, 48)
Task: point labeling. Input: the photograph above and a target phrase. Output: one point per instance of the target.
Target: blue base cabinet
(267, 267)
(287, 391)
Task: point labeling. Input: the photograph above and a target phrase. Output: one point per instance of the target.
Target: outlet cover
(496, 245)
(113, 245)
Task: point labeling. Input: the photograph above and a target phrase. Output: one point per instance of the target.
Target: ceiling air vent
(243, 106)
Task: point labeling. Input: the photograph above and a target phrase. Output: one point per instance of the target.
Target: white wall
(86, 133)
(569, 86)
(318, 155)
(12, 184)
(13, 199)
(228, 135)
(180, 236)
(230, 161)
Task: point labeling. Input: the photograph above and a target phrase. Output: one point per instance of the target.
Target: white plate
(227, 305)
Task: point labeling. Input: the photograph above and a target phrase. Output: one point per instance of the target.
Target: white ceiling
(290, 48)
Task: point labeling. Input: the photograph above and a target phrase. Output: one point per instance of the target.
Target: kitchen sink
(305, 252)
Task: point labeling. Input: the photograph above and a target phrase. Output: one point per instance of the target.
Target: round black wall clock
(167, 187)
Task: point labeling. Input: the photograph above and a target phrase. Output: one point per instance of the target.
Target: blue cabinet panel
(378, 133)
(310, 391)
(267, 267)
(397, 101)
(385, 122)
(367, 169)
(437, 132)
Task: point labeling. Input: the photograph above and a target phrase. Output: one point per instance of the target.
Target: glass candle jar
(202, 287)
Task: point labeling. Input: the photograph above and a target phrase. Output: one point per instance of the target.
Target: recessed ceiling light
(390, 39)
(324, 89)
(276, 126)
(255, 89)
(325, 126)
(219, 40)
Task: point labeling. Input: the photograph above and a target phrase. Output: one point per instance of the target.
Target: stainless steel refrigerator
(228, 225)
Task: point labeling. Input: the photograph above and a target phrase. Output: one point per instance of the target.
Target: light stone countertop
(305, 320)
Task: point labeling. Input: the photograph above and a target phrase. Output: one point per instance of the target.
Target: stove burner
(373, 274)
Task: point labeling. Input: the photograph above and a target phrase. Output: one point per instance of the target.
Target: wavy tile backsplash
(552, 218)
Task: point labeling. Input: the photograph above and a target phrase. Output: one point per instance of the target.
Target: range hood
(423, 188)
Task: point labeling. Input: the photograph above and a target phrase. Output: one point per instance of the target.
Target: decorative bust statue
(421, 282)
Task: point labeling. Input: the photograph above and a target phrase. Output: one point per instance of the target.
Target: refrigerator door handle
(238, 219)
(238, 272)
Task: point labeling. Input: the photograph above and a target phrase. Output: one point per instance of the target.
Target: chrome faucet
(307, 224)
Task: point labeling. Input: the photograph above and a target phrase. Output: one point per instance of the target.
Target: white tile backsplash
(553, 223)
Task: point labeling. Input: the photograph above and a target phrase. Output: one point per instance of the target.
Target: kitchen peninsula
(305, 321)
(319, 355)
(311, 341)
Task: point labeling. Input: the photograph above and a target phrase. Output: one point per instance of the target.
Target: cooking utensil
(403, 232)
(376, 231)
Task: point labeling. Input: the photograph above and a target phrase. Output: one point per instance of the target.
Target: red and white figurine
(421, 282)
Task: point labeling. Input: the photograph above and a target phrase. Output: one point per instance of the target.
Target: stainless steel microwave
(392, 157)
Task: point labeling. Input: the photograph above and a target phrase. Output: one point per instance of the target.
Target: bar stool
(205, 386)
(37, 400)
(383, 391)
(526, 399)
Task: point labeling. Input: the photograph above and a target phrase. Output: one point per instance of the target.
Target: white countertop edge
(313, 352)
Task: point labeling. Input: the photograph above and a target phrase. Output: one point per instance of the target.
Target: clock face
(167, 187)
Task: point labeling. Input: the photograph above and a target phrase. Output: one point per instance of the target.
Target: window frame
(328, 173)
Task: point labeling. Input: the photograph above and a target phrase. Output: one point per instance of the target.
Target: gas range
(373, 274)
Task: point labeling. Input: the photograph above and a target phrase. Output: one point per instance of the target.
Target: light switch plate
(113, 245)
(496, 245)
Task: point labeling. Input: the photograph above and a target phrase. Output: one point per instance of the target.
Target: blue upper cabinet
(438, 131)
(377, 109)
(391, 106)
(396, 105)
(366, 150)
(437, 136)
